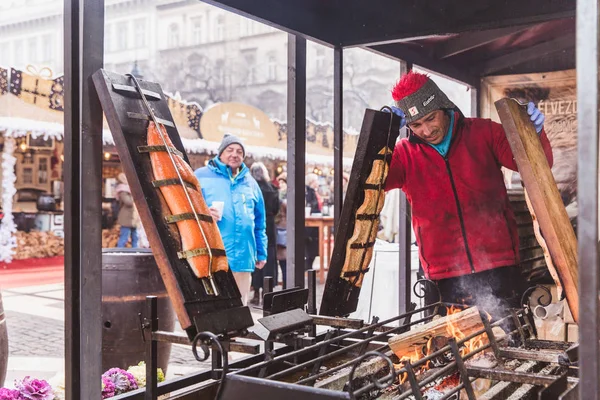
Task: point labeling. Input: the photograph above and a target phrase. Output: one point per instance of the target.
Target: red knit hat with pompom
(417, 95)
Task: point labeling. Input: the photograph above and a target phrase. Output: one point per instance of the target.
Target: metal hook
(527, 295)
(423, 293)
(381, 383)
(207, 339)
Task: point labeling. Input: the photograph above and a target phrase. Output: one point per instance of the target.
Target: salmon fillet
(365, 231)
(174, 195)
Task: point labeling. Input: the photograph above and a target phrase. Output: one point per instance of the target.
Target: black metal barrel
(3, 344)
(128, 276)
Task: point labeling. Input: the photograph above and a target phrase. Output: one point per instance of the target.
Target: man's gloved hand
(399, 113)
(536, 117)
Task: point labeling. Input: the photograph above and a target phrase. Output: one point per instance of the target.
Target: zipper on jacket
(460, 216)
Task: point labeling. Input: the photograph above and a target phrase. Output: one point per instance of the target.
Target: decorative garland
(8, 241)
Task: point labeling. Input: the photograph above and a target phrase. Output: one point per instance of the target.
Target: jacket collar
(222, 169)
(458, 120)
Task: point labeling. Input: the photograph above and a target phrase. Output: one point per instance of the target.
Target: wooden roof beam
(530, 53)
(382, 22)
(405, 52)
(472, 40)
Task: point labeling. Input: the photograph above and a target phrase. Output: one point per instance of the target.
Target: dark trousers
(494, 291)
(283, 265)
(270, 269)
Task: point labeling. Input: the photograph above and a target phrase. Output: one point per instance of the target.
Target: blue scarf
(443, 146)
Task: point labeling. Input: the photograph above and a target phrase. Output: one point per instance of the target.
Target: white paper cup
(307, 211)
(218, 205)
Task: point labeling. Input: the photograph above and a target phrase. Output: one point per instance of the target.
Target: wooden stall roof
(462, 39)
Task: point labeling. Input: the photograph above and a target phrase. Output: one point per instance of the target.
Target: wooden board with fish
(185, 241)
(359, 219)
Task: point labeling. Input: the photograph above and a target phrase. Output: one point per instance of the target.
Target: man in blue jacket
(242, 222)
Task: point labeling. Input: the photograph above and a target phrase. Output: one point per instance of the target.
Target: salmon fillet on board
(358, 256)
(174, 195)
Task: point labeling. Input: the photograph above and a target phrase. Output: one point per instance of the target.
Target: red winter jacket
(460, 209)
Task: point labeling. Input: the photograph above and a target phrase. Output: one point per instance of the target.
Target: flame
(452, 331)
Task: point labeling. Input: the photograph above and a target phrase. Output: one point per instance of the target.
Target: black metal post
(296, 159)
(151, 349)
(404, 236)
(268, 284)
(338, 133)
(312, 298)
(83, 55)
(587, 197)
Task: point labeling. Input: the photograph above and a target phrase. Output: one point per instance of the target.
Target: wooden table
(325, 225)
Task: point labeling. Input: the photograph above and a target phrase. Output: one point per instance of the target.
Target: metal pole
(296, 155)
(83, 188)
(338, 133)
(404, 235)
(587, 187)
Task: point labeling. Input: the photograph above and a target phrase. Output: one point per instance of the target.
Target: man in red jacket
(449, 168)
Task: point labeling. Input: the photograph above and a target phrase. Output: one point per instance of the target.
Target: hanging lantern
(107, 156)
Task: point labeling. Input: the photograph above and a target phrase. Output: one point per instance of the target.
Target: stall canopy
(31, 102)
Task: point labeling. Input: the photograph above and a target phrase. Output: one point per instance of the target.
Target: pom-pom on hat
(417, 95)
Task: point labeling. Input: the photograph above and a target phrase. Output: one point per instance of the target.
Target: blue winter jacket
(243, 225)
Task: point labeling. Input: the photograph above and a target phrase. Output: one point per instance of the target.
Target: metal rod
(162, 132)
(412, 379)
(152, 350)
(587, 196)
(296, 156)
(515, 376)
(490, 335)
(83, 56)
(338, 134)
(404, 234)
(332, 341)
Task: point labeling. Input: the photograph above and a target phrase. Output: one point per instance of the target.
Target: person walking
(271, 197)
(127, 213)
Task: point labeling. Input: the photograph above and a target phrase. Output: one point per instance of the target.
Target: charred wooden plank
(467, 321)
(543, 193)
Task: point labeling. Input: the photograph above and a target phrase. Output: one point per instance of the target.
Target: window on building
(198, 30)
(122, 35)
(4, 52)
(320, 59)
(220, 28)
(32, 48)
(140, 32)
(19, 52)
(173, 36)
(272, 68)
(251, 63)
(47, 48)
(108, 38)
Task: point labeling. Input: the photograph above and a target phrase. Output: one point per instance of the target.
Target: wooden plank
(544, 246)
(543, 193)
(187, 293)
(379, 129)
(467, 321)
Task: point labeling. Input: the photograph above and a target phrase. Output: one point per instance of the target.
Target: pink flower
(108, 388)
(123, 381)
(34, 389)
(9, 394)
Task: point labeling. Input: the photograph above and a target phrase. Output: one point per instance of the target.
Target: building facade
(205, 54)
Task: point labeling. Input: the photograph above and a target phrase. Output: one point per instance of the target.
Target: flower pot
(128, 276)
